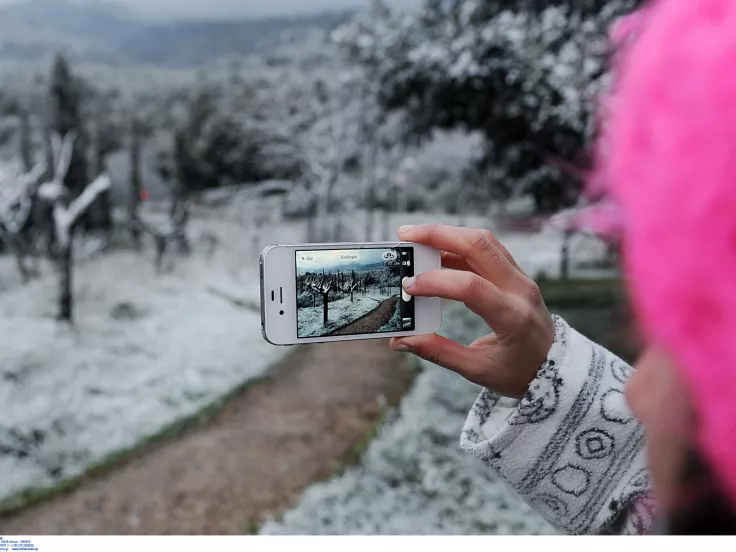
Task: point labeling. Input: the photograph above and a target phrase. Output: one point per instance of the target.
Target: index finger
(481, 250)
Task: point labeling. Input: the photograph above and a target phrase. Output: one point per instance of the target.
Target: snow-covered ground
(340, 313)
(145, 352)
(414, 479)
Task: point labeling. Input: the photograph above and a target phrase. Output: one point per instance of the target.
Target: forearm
(570, 448)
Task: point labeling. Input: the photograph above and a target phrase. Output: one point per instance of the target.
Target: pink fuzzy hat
(670, 167)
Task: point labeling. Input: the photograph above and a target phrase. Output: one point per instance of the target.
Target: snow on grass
(414, 478)
(395, 322)
(341, 313)
(145, 352)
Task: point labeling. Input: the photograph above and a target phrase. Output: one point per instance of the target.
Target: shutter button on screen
(405, 296)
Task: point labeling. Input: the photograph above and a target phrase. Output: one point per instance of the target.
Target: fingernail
(401, 348)
(406, 229)
(409, 283)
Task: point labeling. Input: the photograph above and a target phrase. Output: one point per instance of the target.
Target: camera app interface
(353, 291)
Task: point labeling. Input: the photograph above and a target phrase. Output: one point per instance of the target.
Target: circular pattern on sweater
(621, 371)
(614, 408)
(594, 444)
(551, 505)
(572, 480)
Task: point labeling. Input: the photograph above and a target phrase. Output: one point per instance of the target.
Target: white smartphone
(318, 293)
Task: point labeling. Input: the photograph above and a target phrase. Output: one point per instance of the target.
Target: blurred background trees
(522, 73)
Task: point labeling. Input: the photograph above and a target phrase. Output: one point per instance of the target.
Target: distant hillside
(195, 43)
(343, 267)
(36, 29)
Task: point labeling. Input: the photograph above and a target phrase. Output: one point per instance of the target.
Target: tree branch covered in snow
(65, 213)
(16, 193)
(18, 198)
(318, 122)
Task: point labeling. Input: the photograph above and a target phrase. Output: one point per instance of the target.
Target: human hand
(483, 275)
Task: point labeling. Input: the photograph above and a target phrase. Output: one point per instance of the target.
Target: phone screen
(353, 291)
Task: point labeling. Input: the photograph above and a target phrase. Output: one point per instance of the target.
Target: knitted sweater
(571, 447)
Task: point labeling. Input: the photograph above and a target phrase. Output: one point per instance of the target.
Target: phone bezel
(278, 271)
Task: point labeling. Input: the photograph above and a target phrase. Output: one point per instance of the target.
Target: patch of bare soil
(371, 322)
(253, 460)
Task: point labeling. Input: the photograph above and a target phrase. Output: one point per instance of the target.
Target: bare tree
(17, 205)
(162, 240)
(350, 287)
(168, 165)
(320, 127)
(323, 287)
(65, 215)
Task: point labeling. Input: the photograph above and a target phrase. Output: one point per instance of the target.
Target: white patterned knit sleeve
(571, 447)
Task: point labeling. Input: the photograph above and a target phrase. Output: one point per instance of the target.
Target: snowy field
(341, 313)
(145, 352)
(414, 479)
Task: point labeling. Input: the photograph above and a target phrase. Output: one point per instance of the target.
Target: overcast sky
(212, 9)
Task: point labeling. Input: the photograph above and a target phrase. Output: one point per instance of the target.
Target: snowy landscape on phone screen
(349, 292)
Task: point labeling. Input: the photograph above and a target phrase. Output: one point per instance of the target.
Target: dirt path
(253, 460)
(371, 322)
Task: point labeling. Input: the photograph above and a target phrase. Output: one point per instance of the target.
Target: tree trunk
(369, 223)
(26, 146)
(462, 215)
(338, 230)
(334, 229)
(323, 214)
(385, 224)
(162, 244)
(135, 189)
(565, 256)
(20, 256)
(179, 215)
(370, 186)
(312, 228)
(325, 307)
(25, 275)
(611, 259)
(255, 242)
(49, 154)
(66, 299)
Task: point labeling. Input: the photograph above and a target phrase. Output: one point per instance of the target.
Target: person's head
(690, 499)
(670, 167)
